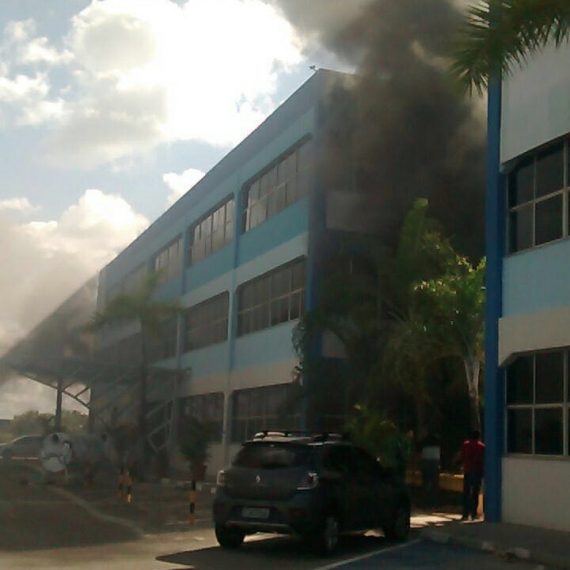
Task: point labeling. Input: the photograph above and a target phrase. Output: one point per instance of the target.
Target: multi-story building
(528, 313)
(238, 252)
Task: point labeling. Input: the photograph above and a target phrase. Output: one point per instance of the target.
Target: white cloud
(20, 204)
(94, 229)
(49, 260)
(153, 72)
(25, 94)
(179, 184)
(17, 31)
(39, 50)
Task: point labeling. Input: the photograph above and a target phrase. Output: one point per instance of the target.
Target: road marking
(367, 555)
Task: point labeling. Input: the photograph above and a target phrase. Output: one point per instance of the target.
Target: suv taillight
(221, 479)
(309, 481)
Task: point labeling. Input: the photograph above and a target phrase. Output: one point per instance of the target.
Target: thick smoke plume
(410, 132)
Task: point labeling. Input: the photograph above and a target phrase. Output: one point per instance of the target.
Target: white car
(24, 447)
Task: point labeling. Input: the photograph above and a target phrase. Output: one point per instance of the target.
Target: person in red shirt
(472, 455)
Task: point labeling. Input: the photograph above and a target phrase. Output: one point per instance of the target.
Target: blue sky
(109, 111)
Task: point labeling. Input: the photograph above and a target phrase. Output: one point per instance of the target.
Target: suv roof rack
(314, 436)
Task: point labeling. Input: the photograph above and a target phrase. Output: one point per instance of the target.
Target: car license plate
(255, 513)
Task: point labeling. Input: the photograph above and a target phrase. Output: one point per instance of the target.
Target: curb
(517, 553)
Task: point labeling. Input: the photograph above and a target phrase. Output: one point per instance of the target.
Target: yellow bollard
(125, 486)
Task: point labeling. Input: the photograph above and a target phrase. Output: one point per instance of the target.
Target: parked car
(24, 447)
(316, 486)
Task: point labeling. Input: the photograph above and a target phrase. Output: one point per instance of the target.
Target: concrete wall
(536, 105)
(535, 492)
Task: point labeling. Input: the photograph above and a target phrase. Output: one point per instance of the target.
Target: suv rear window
(273, 456)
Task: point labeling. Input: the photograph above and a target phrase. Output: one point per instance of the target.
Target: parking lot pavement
(426, 555)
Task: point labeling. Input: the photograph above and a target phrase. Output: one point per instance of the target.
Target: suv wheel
(327, 538)
(229, 537)
(399, 527)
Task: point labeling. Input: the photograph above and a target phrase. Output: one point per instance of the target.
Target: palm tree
(500, 34)
(143, 308)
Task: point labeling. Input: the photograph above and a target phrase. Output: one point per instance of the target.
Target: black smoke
(408, 130)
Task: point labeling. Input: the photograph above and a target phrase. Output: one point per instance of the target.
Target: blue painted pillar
(495, 248)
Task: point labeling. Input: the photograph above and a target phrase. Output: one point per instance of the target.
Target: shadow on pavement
(33, 517)
(263, 551)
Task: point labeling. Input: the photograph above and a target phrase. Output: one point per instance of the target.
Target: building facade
(528, 311)
(238, 252)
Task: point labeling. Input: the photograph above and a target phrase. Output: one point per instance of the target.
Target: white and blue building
(240, 253)
(527, 392)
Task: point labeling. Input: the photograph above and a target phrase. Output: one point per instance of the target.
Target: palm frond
(498, 35)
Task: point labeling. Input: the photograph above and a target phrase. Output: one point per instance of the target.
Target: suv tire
(229, 537)
(328, 535)
(399, 527)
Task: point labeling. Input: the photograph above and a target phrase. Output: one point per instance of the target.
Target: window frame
(533, 406)
(208, 243)
(260, 411)
(254, 312)
(223, 297)
(564, 191)
(171, 270)
(289, 190)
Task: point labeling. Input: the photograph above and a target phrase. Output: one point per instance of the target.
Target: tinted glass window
(550, 170)
(273, 456)
(519, 381)
(548, 431)
(521, 183)
(548, 220)
(520, 228)
(549, 378)
(519, 431)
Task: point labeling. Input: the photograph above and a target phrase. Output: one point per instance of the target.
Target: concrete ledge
(522, 553)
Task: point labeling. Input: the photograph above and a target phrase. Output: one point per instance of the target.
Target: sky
(110, 110)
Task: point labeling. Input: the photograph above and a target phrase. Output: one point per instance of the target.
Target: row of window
(213, 232)
(252, 410)
(273, 298)
(538, 201)
(270, 192)
(538, 406)
(278, 187)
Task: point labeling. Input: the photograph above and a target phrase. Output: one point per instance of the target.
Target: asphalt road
(45, 530)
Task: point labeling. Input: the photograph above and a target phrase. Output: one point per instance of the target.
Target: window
(133, 281)
(537, 193)
(207, 323)
(163, 344)
(168, 261)
(273, 298)
(213, 232)
(207, 409)
(536, 406)
(279, 186)
(256, 409)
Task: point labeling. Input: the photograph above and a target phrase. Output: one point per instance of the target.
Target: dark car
(315, 486)
(25, 447)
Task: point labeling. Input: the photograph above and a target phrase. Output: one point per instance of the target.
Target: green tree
(445, 321)
(500, 34)
(31, 422)
(194, 439)
(149, 313)
(368, 297)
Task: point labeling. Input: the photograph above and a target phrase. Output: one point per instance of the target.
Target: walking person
(472, 455)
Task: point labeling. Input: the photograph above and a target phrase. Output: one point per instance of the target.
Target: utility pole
(58, 404)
